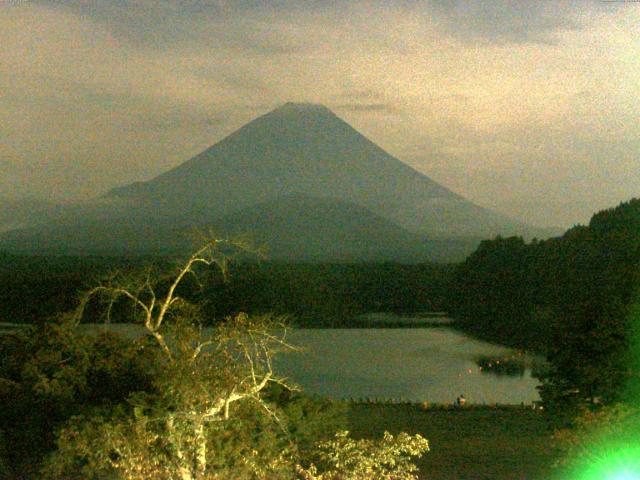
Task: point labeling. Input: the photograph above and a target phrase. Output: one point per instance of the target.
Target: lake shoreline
(378, 320)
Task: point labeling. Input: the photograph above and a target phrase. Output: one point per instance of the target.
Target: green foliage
(163, 432)
(569, 297)
(183, 402)
(306, 420)
(159, 433)
(33, 288)
(594, 336)
(344, 458)
(4, 464)
(52, 372)
(495, 291)
(328, 293)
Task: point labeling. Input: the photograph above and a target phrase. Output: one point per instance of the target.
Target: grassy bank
(505, 443)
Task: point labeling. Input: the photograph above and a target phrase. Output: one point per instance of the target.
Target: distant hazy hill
(292, 228)
(298, 227)
(299, 180)
(20, 212)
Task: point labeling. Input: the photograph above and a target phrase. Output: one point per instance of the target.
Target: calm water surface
(417, 364)
(434, 364)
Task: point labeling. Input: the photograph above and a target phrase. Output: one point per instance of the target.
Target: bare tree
(201, 372)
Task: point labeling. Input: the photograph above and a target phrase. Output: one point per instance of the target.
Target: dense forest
(331, 294)
(571, 297)
(327, 294)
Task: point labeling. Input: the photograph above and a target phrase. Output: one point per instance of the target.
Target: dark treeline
(570, 297)
(331, 294)
(522, 293)
(33, 288)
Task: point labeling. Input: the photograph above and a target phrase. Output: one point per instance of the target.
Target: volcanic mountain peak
(290, 117)
(290, 121)
(305, 148)
(294, 173)
(303, 107)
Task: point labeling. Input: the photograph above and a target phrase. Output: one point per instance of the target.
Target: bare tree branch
(205, 375)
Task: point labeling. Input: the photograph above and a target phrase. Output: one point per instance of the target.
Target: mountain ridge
(295, 228)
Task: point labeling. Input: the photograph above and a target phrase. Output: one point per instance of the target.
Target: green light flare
(613, 462)
(612, 452)
(626, 475)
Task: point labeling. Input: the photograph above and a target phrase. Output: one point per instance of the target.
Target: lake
(415, 364)
(434, 364)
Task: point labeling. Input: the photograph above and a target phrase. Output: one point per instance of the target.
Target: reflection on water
(423, 364)
(511, 365)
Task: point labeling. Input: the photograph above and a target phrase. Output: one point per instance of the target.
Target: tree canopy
(181, 401)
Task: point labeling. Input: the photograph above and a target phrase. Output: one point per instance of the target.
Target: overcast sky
(531, 108)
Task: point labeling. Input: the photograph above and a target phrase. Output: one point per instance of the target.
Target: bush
(344, 458)
(52, 372)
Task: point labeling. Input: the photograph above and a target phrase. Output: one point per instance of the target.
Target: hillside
(538, 295)
(289, 228)
(303, 228)
(20, 212)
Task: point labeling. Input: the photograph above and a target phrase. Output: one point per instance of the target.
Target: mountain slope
(20, 212)
(306, 149)
(298, 227)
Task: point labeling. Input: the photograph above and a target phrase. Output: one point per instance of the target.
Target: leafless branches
(247, 343)
(142, 292)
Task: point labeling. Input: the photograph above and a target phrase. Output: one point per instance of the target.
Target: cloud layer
(527, 107)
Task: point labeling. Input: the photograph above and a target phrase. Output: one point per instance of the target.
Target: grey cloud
(260, 39)
(178, 118)
(363, 100)
(366, 107)
(232, 23)
(360, 94)
(244, 27)
(231, 78)
(509, 21)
